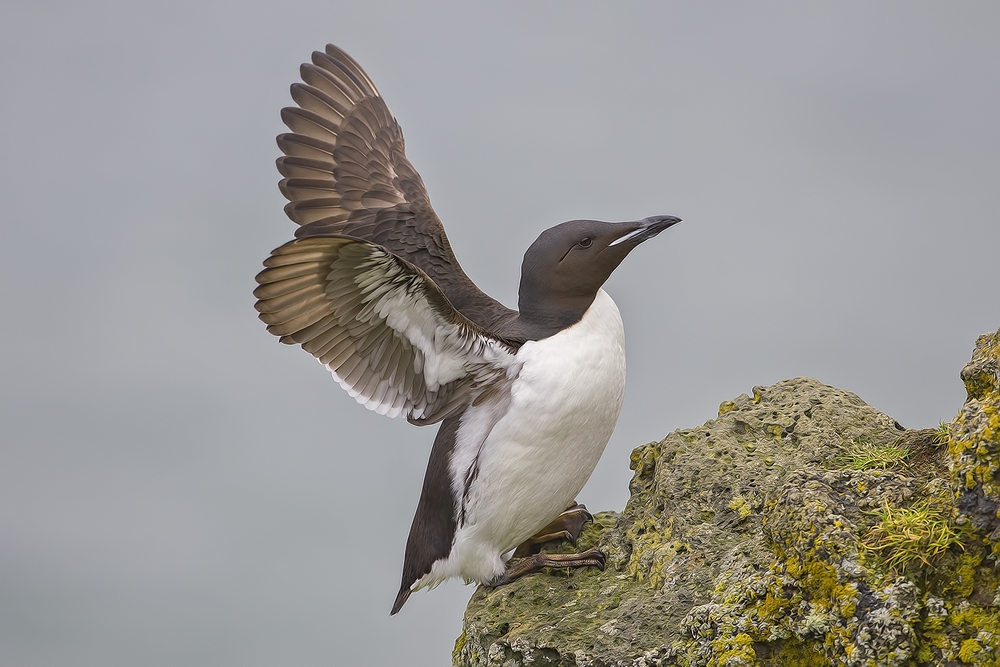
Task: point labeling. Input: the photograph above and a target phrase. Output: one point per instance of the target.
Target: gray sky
(176, 488)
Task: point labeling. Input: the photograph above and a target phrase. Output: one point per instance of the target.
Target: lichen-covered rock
(974, 442)
(800, 527)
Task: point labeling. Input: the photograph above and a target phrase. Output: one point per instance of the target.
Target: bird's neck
(541, 315)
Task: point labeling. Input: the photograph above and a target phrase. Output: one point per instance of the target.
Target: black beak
(647, 229)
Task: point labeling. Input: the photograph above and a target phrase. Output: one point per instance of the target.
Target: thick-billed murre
(527, 398)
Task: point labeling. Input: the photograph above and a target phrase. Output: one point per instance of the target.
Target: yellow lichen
(733, 651)
(772, 607)
(740, 505)
(456, 653)
(970, 649)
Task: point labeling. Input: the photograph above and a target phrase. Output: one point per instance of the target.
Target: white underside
(535, 458)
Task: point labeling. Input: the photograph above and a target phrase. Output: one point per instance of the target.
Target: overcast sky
(176, 488)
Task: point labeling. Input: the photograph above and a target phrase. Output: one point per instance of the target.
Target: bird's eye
(586, 242)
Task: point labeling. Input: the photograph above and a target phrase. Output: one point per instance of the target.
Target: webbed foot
(589, 558)
(566, 526)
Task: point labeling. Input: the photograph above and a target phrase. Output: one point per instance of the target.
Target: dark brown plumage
(345, 172)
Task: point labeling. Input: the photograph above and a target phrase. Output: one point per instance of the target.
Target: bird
(527, 399)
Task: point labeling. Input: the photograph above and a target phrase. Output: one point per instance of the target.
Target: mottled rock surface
(800, 527)
(974, 442)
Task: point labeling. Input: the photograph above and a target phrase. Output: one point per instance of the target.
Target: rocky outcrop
(800, 527)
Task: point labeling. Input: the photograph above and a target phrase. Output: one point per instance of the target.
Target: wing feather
(381, 326)
(298, 167)
(345, 172)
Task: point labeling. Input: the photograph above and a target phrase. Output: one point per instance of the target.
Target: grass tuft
(943, 433)
(906, 536)
(861, 455)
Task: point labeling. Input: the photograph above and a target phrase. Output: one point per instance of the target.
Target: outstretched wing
(382, 327)
(345, 172)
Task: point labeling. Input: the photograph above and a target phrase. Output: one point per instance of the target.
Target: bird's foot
(589, 558)
(566, 526)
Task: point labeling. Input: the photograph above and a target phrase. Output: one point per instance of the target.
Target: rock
(974, 439)
(800, 527)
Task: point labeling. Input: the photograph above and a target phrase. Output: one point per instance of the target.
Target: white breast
(563, 407)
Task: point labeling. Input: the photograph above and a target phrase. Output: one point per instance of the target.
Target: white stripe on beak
(628, 236)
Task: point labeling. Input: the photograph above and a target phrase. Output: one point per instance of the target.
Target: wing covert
(386, 332)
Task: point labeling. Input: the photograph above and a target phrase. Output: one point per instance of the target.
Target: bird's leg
(591, 557)
(566, 526)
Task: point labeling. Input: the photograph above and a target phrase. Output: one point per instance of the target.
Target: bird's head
(567, 264)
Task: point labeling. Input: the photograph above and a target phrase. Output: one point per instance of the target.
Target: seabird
(527, 398)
